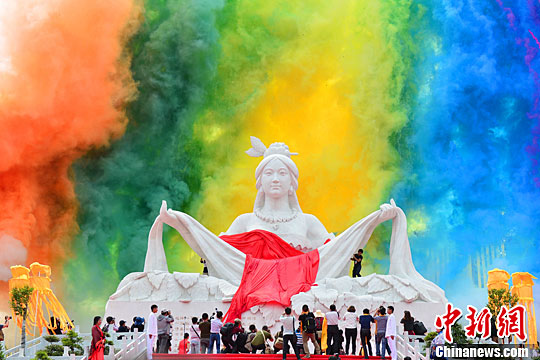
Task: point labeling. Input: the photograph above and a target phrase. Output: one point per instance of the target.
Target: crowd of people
(208, 334)
(322, 331)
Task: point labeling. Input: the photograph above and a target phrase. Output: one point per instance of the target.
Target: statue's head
(275, 179)
(276, 174)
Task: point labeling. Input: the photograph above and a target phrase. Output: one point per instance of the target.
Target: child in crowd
(299, 342)
(183, 346)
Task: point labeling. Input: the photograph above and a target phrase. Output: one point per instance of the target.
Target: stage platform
(250, 356)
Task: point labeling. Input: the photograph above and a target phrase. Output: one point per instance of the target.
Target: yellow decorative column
(522, 287)
(497, 279)
(43, 306)
(20, 277)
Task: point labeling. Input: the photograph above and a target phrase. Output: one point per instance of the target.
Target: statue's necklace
(275, 220)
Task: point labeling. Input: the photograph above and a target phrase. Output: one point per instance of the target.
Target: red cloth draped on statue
(274, 271)
(261, 244)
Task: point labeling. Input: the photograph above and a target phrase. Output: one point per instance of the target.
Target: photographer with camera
(215, 331)
(6, 324)
(164, 322)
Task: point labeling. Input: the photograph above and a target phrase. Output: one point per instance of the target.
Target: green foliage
(20, 297)
(458, 336)
(51, 338)
(42, 355)
(428, 339)
(2, 354)
(18, 301)
(54, 350)
(74, 342)
(108, 344)
(499, 297)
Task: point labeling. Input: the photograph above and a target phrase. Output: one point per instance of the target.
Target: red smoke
(64, 81)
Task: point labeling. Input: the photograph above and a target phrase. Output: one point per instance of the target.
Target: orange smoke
(64, 81)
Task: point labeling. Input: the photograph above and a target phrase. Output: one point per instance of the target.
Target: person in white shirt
(287, 321)
(151, 331)
(332, 321)
(195, 335)
(351, 331)
(391, 332)
(215, 327)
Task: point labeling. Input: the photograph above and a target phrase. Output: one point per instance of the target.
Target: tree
(496, 299)
(74, 342)
(53, 349)
(499, 297)
(41, 355)
(458, 336)
(2, 354)
(20, 297)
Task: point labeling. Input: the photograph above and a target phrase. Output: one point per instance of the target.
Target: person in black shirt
(307, 319)
(54, 328)
(357, 259)
(122, 328)
(365, 332)
(205, 268)
(408, 322)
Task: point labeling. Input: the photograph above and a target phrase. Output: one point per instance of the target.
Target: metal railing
(131, 346)
(410, 345)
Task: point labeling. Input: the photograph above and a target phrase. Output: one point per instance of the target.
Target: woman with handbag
(289, 335)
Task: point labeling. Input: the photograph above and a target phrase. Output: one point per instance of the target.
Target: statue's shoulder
(316, 228)
(240, 223)
(311, 219)
(244, 217)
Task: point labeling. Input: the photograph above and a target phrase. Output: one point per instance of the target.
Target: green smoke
(120, 188)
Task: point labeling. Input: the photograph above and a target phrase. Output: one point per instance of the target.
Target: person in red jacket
(184, 345)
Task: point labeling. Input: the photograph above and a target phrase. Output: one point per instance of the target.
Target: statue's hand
(163, 213)
(389, 210)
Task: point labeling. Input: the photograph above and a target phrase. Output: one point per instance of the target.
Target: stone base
(188, 295)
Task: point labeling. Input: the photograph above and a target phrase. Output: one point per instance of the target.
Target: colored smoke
(432, 103)
(15, 253)
(466, 172)
(335, 99)
(63, 84)
(121, 189)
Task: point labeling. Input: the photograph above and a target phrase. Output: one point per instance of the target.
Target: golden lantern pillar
(498, 279)
(523, 288)
(43, 305)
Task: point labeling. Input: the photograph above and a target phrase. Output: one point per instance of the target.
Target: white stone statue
(277, 210)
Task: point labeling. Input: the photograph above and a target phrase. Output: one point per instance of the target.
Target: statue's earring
(291, 190)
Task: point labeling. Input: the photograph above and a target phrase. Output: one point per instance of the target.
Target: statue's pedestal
(188, 295)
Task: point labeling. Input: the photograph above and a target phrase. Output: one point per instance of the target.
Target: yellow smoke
(328, 91)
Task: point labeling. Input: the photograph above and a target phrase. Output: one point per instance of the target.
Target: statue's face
(276, 179)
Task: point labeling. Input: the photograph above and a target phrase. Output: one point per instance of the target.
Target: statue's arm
(316, 230)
